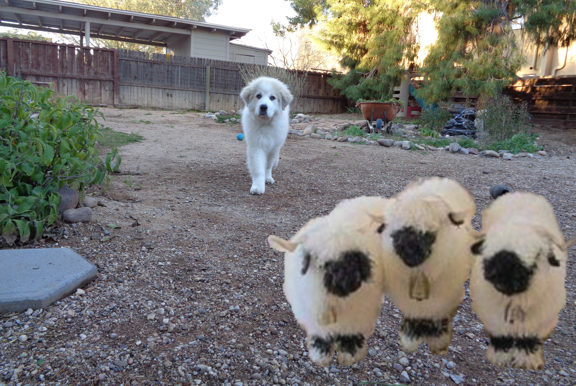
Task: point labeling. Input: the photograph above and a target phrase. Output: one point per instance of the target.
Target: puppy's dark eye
(272, 98)
(258, 96)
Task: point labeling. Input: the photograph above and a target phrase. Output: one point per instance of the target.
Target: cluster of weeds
(228, 118)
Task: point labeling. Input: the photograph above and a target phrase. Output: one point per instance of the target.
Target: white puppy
(265, 122)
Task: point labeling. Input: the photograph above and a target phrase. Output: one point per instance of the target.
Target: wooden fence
(87, 73)
(134, 79)
(551, 101)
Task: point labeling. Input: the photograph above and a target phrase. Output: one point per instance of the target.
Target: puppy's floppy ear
(285, 96)
(247, 93)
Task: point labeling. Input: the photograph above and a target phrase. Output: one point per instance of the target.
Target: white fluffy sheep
(333, 279)
(426, 250)
(517, 281)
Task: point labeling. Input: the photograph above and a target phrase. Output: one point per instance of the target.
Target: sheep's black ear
(476, 248)
(552, 260)
(454, 219)
(381, 228)
(305, 263)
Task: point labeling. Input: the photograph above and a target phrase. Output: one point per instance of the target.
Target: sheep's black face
(346, 275)
(507, 273)
(413, 246)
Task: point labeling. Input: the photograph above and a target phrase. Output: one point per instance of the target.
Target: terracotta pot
(384, 110)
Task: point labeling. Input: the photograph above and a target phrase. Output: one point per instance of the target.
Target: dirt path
(188, 289)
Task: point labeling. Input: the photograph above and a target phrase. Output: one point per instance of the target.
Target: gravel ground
(189, 292)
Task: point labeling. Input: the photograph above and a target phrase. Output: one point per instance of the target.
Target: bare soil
(188, 290)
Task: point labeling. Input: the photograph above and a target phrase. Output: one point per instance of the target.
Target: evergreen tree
(475, 51)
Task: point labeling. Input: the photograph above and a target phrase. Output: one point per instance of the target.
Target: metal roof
(105, 23)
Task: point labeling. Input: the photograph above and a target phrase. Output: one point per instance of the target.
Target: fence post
(115, 81)
(10, 57)
(207, 95)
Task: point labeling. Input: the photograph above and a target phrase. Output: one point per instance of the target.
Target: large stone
(454, 147)
(406, 145)
(490, 153)
(308, 130)
(35, 278)
(386, 142)
(90, 202)
(77, 215)
(68, 199)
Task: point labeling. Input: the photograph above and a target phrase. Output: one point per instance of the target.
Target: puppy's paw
(256, 189)
(270, 180)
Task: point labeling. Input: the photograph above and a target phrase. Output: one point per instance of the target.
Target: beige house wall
(546, 61)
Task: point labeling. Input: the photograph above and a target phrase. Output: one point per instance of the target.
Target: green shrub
(522, 142)
(354, 131)
(502, 118)
(228, 118)
(45, 142)
(434, 119)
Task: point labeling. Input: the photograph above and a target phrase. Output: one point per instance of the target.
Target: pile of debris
(462, 124)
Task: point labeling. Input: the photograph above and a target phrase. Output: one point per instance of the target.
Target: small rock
(90, 202)
(68, 198)
(356, 140)
(454, 147)
(80, 292)
(464, 151)
(404, 377)
(77, 215)
(450, 365)
(542, 153)
(316, 136)
(406, 145)
(308, 130)
(498, 190)
(342, 139)
(386, 142)
(473, 151)
(490, 153)
(404, 361)
(328, 137)
(508, 156)
(419, 147)
(457, 379)
(23, 338)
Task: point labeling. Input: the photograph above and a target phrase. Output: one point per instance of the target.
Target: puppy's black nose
(507, 273)
(413, 246)
(263, 109)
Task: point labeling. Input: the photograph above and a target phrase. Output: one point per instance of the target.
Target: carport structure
(184, 37)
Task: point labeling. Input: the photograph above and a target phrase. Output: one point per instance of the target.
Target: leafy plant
(45, 143)
(502, 118)
(434, 119)
(228, 118)
(354, 131)
(427, 132)
(518, 143)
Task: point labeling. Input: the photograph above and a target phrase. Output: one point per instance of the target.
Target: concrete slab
(35, 278)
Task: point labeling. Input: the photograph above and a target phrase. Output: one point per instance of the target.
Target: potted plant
(379, 109)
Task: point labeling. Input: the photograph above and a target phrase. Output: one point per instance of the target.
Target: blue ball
(240, 137)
